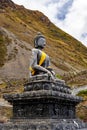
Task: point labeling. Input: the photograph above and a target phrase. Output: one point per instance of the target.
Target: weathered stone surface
(44, 105)
(44, 124)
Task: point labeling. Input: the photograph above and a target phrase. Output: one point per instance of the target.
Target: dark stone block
(44, 105)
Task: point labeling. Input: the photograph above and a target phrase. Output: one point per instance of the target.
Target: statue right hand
(50, 75)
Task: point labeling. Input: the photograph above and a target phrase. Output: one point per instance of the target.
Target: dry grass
(82, 107)
(25, 23)
(3, 50)
(68, 54)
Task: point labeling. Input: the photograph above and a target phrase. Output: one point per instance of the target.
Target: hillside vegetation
(82, 107)
(3, 50)
(18, 27)
(67, 53)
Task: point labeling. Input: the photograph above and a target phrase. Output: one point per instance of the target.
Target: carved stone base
(44, 105)
(44, 124)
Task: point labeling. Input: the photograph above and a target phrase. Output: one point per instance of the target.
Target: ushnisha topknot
(39, 40)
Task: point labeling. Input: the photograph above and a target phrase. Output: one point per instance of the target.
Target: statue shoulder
(35, 51)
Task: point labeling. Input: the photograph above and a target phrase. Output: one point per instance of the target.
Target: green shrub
(58, 76)
(82, 93)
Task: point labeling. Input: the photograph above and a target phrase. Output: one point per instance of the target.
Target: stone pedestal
(44, 105)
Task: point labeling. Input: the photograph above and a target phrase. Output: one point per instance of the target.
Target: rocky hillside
(18, 26)
(14, 56)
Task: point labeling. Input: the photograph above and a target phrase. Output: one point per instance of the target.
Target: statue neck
(40, 48)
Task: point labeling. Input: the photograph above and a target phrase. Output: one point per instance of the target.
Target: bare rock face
(17, 57)
(7, 3)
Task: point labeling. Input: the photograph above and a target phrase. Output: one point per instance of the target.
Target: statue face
(41, 42)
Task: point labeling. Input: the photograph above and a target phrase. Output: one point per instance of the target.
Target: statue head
(39, 41)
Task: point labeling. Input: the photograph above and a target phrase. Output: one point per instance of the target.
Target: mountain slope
(18, 27)
(15, 58)
(67, 53)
